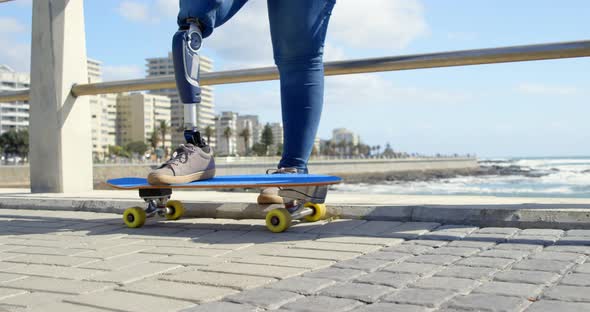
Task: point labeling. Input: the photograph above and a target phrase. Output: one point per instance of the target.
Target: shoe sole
(269, 199)
(160, 179)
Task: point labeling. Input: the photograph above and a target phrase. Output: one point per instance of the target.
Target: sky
(538, 108)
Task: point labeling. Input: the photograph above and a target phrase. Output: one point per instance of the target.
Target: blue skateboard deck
(233, 181)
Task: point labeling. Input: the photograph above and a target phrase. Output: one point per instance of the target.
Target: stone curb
(570, 216)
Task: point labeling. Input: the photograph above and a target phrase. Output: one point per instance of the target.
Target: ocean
(532, 177)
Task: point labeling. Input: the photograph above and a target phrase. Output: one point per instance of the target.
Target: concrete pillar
(59, 132)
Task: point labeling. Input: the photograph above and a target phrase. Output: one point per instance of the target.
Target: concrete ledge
(480, 211)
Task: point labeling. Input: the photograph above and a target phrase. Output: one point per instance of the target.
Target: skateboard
(303, 194)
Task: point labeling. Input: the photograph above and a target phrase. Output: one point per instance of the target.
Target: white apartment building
(13, 115)
(254, 129)
(226, 145)
(103, 114)
(344, 135)
(164, 66)
(277, 136)
(139, 115)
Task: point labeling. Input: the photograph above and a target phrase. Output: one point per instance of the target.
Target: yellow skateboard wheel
(278, 220)
(319, 211)
(134, 217)
(176, 210)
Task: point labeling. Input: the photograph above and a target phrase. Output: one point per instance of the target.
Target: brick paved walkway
(80, 261)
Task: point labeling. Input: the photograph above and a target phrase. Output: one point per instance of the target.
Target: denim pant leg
(298, 30)
(210, 13)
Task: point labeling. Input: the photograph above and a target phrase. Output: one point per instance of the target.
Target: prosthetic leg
(185, 46)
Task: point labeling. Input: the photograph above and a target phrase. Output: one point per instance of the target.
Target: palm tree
(208, 133)
(163, 129)
(246, 135)
(227, 133)
(154, 140)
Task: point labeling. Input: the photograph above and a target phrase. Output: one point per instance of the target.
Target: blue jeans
(298, 31)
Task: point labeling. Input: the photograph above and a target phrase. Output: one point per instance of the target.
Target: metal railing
(533, 52)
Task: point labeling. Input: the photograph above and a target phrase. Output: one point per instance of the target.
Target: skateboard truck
(157, 202)
(302, 202)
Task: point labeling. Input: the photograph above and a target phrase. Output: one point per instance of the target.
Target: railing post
(59, 131)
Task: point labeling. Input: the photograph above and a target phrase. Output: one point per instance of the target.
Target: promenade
(85, 261)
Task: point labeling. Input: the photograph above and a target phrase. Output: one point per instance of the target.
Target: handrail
(533, 52)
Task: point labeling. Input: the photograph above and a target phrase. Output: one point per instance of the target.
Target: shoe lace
(180, 156)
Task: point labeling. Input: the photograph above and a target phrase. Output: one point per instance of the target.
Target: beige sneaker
(188, 163)
(270, 195)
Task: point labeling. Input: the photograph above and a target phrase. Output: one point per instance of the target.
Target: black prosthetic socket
(194, 137)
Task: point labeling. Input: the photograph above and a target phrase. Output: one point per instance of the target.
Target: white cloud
(14, 51)
(10, 25)
(544, 89)
(122, 72)
(135, 11)
(167, 7)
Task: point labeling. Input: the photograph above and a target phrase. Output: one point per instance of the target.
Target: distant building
(251, 123)
(277, 136)
(226, 145)
(13, 115)
(139, 115)
(163, 66)
(104, 114)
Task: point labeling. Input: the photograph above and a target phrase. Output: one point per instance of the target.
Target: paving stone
(313, 254)
(583, 268)
(425, 297)
(335, 274)
(504, 253)
(391, 279)
(435, 243)
(53, 271)
(450, 283)
(122, 262)
(498, 263)
(113, 252)
(543, 265)
(530, 277)
(576, 279)
(204, 252)
(472, 244)
(487, 237)
(264, 297)
(302, 285)
(340, 226)
(373, 228)
(523, 247)
(183, 291)
(135, 273)
(8, 292)
(510, 289)
(255, 269)
(62, 307)
(190, 260)
(363, 263)
(257, 250)
(409, 248)
(454, 251)
(498, 230)
(487, 302)
(32, 300)
(51, 260)
(286, 262)
(434, 259)
(417, 268)
(568, 293)
(322, 303)
(460, 271)
(533, 239)
(357, 291)
(336, 246)
(558, 256)
(235, 281)
(124, 301)
(542, 232)
(222, 306)
(387, 307)
(456, 228)
(553, 306)
(443, 235)
(7, 277)
(35, 250)
(57, 286)
(569, 248)
(363, 240)
(392, 256)
(410, 230)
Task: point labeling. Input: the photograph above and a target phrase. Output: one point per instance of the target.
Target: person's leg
(298, 31)
(210, 13)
